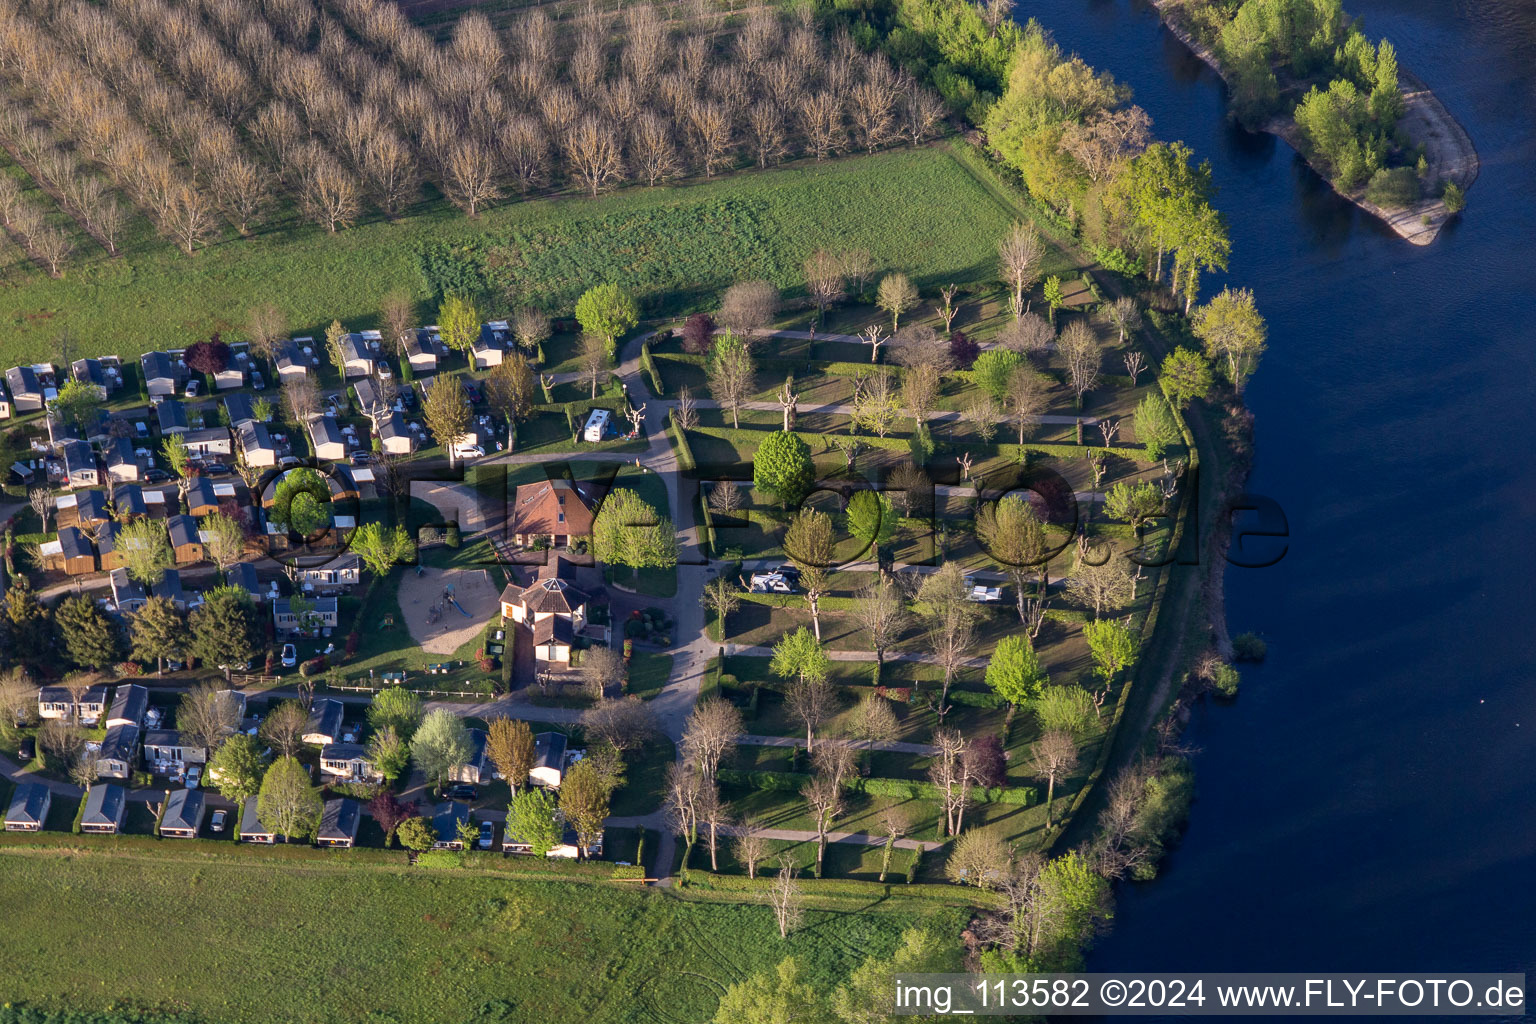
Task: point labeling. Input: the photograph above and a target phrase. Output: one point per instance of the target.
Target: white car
(290, 655)
(194, 776)
(192, 386)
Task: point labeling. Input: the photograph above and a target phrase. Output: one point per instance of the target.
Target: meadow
(249, 937)
(677, 247)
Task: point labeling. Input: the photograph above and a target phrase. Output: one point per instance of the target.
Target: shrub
(1225, 679)
(1249, 647)
(129, 668)
(1393, 188)
(352, 641)
(1454, 198)
(487, 664)
(633, 872)
(963, 350)
(313, 666)
(915, 863)
(452, 537)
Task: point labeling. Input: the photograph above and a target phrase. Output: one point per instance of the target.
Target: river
(1369, 801)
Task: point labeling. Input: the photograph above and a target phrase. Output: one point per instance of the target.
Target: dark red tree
(986, 759)
(209, 356)
(389, 811)
(963, 350)
(699, 334)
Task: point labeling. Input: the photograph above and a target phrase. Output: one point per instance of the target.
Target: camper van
(597, 425)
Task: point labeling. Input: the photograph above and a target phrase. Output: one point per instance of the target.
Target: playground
(445, 608)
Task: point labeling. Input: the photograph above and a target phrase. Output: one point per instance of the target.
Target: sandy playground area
(435, 624)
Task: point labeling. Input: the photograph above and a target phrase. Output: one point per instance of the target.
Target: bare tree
(301, 395)
(328, 194)
(713, 132)
(684, 793)
(525, 152)
(821, 121)
(922, 112)
(949, 310)
(824, 796)
(748, 306)
(1020, 255)
(1099, 580)
(1125, 314)
(947, 774)
(895, 823)
(652, 149)
(471, 177)
(687, 409)
(920, 390)
(243, 191)
(1107, 139)
(1030, 334)
(1053, 758)
(982, 414)
(785, 899)
(283, 728)
(623, 724)
(768, 130)
(391, 172)
(751, 847)
(911, 489)
(1080, 351)
(823, 280)
(595, 363)
(710, 734)
(531, 327)
(812, 701)
(266, 325)
(602, 669)
(1135, 365)
(715, 817)
(42, 503)
(53, 247)
(1027, 398)
(725, 498)
(593, 150)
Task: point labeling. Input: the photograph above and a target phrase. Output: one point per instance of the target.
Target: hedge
(80, 813)
(707, 520)
(440, 859)
(906, 789)
(679, 436)
(711, 685)
(649, 365)
(832, 887)
(628, 873)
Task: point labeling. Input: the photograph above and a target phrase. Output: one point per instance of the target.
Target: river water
(1369, 802)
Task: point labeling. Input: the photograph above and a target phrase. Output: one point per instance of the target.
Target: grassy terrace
(677, 247)
(217, 932)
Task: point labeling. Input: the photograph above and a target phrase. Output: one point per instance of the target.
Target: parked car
(290, 655)
(27, 750)
(217, 469)
(157, 475)
(487, 835)
(218, 820)
(194, 776)
(192, 387)
(463, 791)
(361, 458)
(257, 381)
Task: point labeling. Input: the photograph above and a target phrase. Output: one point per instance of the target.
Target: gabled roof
(77, 455)
(91, 506)
(120, 744)
(242, 575)
(129, 702)
(169, 586)
(106, 537)
(324, 718)
(553, 630)
(291, 354)
(182, 530)
(104, 805)
(419, 343)
(392, 425)
(73, 543)
(255, 438)
(250, 821)
(323, 430)
(200, 492)
(367, 395)
(89, 371)
(237, 406)
(172, 416)
(23, 382)
(344, 752)
(183, 810)
(59, 695)
(129, 499)
(120, 452)
(446, 818)
(339, 819)
(207, 435)
(157, 365)
(125, 588)
(353, 348)
(537, 508)
(28, 804)
(164, 738)
(549, 750)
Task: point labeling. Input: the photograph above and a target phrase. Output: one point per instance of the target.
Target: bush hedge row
(905, 789)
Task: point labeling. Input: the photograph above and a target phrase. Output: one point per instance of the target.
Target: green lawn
(676, 247)
(378, 940)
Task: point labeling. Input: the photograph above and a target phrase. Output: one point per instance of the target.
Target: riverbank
(1448, 149)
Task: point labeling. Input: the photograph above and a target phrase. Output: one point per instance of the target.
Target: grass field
(677, 247)
(235, 937)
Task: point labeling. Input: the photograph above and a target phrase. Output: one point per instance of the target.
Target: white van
(597, 425)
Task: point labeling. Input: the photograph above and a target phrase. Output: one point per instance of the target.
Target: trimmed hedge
(905, 789)
(649, 365)
(679, 436)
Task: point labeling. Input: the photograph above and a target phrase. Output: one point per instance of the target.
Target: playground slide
(455, 602)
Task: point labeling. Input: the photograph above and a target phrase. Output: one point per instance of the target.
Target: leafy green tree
(288, 802)
(1053, 295)
(896, 295)
(446, 411)
(238, 766)
(145, 549)
(157, 631)
(225, 630)
(1186, 376)
(1233, 331)
(1068, 709)
(510, 390)
(584, 802)
(223, 539)
(390, 754)
(1133, 503)
(993, 371)
(799, 655)
(458, 321)
(783, 467)
(1454, 197)
(871, 518)
(870, 998)
(1015, 673)
(381, 548)
(730, 374)
(531, 820)
(1114, 647)
(628, 531)
(398, 708)
(440, 745)
(417, 834)
(1155, 425)
(28, 628)
(77, 404)
(1070, 901)
(180, 458)
(299, 500)
(91, 640)
(772, 997)
(607, 311)
(1011, 533)
(335, 334)
(809, 544)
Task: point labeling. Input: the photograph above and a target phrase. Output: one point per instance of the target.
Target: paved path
(756, 651)
(844, 409)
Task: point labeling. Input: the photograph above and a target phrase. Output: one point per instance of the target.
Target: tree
(602, 669)
(157, 631)
(509, 389)
(783, 467)
(628, 531)
(596, 360)
(1186, 376)
(1133, 503)
(417, 834)
(594, 151)
(145, 550)
(684, 795)
(622, 724)
(1114, 647)
(823, 280)
(287, 802)
(389, 752)
(283, 728)
(471, 177)
(946, 772)
(607, 311)
(1155, 426)
(584, 803)
(1020, 255)
(1052, 758)
(531, 820)
(824, 796)
(509, 745)
(459, 323)
(446, 410)
(266, 325)
(698, 334)
(398, 708)
(1232, 330)
(1027, 398)
(223, 540)
(882, 614)
(335, 340)
(77, 405)
(1054, 297)
(1068, 709)
(301, 397)
(531, 327)
(1125, 315)
(207, 715)
(42, 501)
(1029, 334)
(871, 518)
(809, 544)
(981, 414)
(710, 735)
(751, 847)
(720, 596)
(210, 356)
(786, 900)
(979, 858)
(730, 375)
(778, 996)
(238, 766)
(328, 194)
(1080, 351)
(18, 700)
(876, 406)
(993, 371)
(225, 630)
(61, 743)
(1015, 673)
(381, 548)
(896, 295)
(748, 306)
(91, 641)
(1100, 585)
(440, 744)
(388, 812)
(920, 390)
